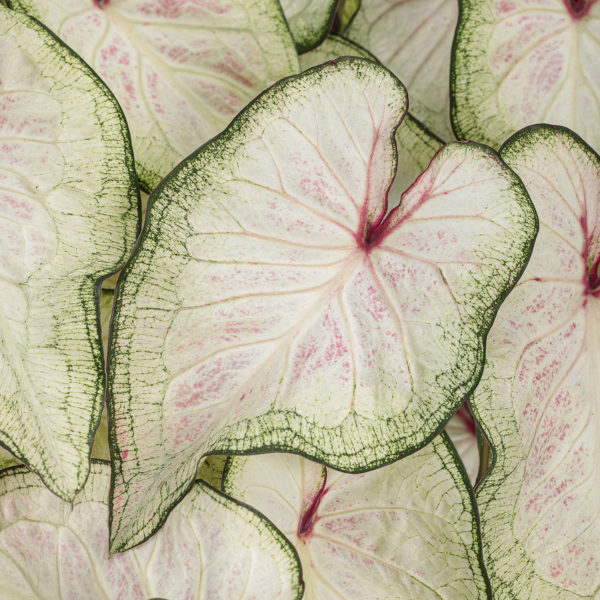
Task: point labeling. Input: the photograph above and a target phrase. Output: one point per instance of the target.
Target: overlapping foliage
(322, 276)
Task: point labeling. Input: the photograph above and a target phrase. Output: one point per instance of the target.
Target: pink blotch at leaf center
(309, 517)
(579, 8)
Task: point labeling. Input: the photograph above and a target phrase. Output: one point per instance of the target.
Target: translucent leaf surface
(309, 20)
(413, 38)
(407, 530)
(269, 304)
(520, 62)
(347, 12)
(462, 432)
(211, 547)
(100, 447)
(539, 396)
(7, 459)
(106, 305)
(180, 70)
(415, 144)
(110, 283)
(68, 216)
(211, 469)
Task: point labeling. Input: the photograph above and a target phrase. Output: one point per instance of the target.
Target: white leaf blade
(285, 281)
(209, 547)
(538, 395)
(405, 530)
(516, 65)
(181, 72)
(68, 212)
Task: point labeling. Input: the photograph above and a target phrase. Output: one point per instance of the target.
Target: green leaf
(211, 469)
(347, 12)
(7, 459)
(539, 395)
(332, 47)
(211, 547)
(68, 217)
(106, 305)
(413, 39)
(516, 64)
(180, 70)
(408, 530)
(310, 21)
(270, 305)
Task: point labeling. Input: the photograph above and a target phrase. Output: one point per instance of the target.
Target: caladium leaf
(413, 38)
(68, 216)
(415, 144)
(310, 21)
(518, 63)
(180, 70)
(269, 304)
(463, 433)
(211, 547)
(408, 530)
(539, 395)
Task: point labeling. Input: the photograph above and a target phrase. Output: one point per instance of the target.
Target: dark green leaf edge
(474, 509)
(306, 39)
(469, 48)
(91, 305)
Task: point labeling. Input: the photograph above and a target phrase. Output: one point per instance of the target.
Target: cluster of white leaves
(319, 273)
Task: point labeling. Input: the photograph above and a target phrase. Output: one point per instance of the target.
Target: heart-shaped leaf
(415, 144)
(413, 38)
(180, 70)
(408, 530)
(519, 63)
(269, 304)
(539, 396)
(68, 216)
(211, 547)
(309, 21)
